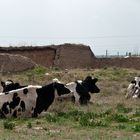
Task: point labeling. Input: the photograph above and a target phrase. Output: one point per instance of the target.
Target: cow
(82, 88)
(133, 89)
(10, 85)
(31, 100)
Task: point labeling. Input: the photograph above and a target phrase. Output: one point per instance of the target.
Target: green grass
(8, 125)
(110, 116)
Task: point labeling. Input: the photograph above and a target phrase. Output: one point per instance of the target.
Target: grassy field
(108, 116)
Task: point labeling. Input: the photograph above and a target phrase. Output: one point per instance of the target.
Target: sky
(112, 25)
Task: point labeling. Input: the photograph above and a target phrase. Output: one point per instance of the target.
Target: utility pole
(118, 54)
(106, 53)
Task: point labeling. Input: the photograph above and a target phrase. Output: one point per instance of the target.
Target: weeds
(108, 113)
(122, 109)
(121, 126)
(8, 125)
(29, 125)
(51, 118)
(136, 128)
(119, 118)
(137, 112)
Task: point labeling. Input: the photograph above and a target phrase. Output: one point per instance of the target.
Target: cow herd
(31, 100)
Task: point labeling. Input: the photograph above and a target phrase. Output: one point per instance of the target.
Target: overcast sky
(112, 25)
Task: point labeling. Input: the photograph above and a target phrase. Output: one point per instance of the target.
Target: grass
(8, 125)
(109, 116)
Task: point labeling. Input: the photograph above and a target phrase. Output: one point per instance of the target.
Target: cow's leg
(88, 97)
(73, 99)
(34, 114)
(83, 100)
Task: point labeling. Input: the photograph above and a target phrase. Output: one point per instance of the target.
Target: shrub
(29, 125)
(51, 118)
(121, 108)
(39, 70)
(119, 118)
(8, 125)
(87, 122)
(137, 112)
(136, 128)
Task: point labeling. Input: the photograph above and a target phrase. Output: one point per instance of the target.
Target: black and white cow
(30, 101)
(133, 89)
(10, 85)
(82, 88)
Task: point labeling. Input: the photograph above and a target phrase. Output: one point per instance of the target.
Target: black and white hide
(10, 85)
(30, 101)
(133, 90)
(81, 89)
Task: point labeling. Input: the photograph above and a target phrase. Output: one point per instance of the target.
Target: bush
(8, 125)
(90, 119)
(39, 70)
(119, 118)
(136, 128)
(121, 108)
(51, 118)
(29, 125)
(137, 112)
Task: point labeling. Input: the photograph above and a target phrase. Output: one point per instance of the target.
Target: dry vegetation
(108, 116)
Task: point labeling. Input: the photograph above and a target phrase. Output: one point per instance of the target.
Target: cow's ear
(133, 82)
(10, 81)
(95, 80)
(2, 83)
(88, 78)
(139, 84)
(17, 85)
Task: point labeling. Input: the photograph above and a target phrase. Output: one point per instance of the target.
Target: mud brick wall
(62, 56)
(43, 56)
(71, 56)
(131, 62)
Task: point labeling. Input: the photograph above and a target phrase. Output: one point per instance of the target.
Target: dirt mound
(65, 56)
(15, 63)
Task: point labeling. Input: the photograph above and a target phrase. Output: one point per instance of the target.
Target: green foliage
(116, 74)
(29, 125)
(83, 118)
(136, 128)
(137, 112)
(51, 118)
(119, 118)
(39, 70)
(122, 109)
(109, 113)
(72, 115)
(87, 121)
(8, 125)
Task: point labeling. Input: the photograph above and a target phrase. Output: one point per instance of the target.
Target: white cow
(133, 89)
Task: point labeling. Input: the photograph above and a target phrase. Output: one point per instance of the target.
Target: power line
(90, 37)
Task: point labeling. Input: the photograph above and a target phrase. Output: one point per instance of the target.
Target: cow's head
(61, 88)
(136, 82)
(136, 88)
(90, 84)
(9, 85)
(133, 89)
